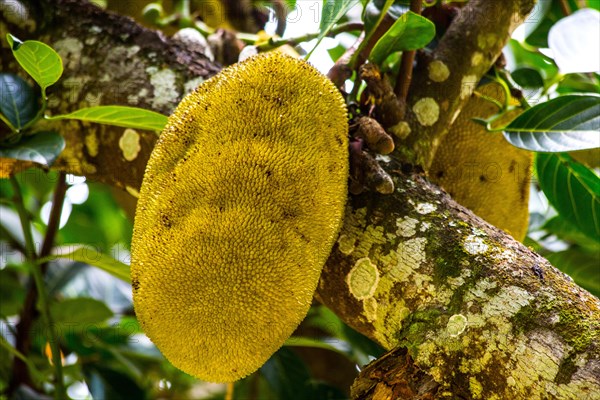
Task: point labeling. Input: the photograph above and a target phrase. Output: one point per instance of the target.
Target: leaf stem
(408, 58)
(36, 272)
(369, 35)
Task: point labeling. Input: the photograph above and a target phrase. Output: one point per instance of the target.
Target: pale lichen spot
(507, 302)
(401, 130)
(132, 191)
(425, 208)
(346, 244)
(476, 59)
(475, 245)
(510, 381)
(410, 255)
(486, 41)
(456, 325)
(370, 309)
(438, 71)
(467, 86)
(164, 84)
(476, 388)
(425, 226)
(69, 50)
(91, 143)
(363, 279)
(427, 111)
(129, 143)
(407, 227)
(192, 84)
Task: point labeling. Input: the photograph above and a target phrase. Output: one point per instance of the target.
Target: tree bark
(465, 310)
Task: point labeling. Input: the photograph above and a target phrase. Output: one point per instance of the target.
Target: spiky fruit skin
(481, 170)
(240, 205)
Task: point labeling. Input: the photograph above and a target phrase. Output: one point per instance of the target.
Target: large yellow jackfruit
(240, 205)
(481, 170)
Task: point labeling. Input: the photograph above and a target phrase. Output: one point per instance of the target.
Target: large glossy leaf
(333, 11)
(91, 256)
(81, 310)
(42, 148)
(38, 59)
(566, 123)
(410, 32)
(579, 265)
(572, 189)
(17, 100)
(127, 117)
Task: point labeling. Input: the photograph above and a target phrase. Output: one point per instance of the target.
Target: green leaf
(81, 310)
(410, 32)
(566, 123)
(572, 189)
(38, 59)
(42, 148)
(301, 341)
(579, 265)
(539, 22)
(566, 231)
(531, 67)
(127, 117)
(12, 293)
(332, 12)
(17, 100)
(91, 256)
(108, 383)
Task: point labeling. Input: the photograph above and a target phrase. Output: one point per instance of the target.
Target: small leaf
(572, 189)
(410, 32)
(332, 12)
(42, 148)
(17, 100)
(91, 256)
(81, 310)
(579, 265)
(566, 123)
(38, 59)
(127, 117)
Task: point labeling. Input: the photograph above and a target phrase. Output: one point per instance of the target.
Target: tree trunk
(465, 310)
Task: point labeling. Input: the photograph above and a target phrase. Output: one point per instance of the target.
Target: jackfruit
(481, 170)
(240, 205)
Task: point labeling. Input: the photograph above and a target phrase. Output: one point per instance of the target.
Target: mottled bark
(108, 60)
(443, 83)
(466, 311)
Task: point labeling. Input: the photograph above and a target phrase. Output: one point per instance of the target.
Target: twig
(564, 6)
(274, 43)
(38, 276)
(406, 65)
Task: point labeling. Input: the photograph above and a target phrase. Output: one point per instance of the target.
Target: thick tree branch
(470, 312)
(108, 60)
(442, 87)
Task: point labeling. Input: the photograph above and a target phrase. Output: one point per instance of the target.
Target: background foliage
(104, 354)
